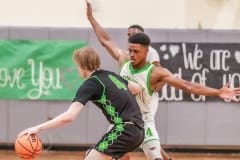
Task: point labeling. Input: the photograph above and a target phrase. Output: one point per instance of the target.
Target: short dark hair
(140, 38)
(137, 27)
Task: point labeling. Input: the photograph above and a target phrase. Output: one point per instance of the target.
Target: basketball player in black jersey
(109, 92)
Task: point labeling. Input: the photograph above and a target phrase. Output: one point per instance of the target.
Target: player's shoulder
(123, 58)
(105, 73)
(160, 70)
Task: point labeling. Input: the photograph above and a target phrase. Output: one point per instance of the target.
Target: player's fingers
(237, 90)
(88, 4)
(227, 84)
(235, 99)
(21, 134)
(28, 134)
(89, 8)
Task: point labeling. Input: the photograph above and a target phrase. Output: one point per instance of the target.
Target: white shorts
(151, 144)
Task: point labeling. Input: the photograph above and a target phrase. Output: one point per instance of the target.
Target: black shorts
(121, 139)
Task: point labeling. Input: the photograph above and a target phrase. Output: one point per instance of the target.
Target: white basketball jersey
(148, 100)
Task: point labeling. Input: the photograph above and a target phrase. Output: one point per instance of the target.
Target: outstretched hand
(229, 94)
(28, 132)
(89, 9)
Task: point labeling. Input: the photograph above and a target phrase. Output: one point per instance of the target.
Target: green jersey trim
(118, 122)
(134, 71)
(146, 67)
(110, 110)
(150, 91)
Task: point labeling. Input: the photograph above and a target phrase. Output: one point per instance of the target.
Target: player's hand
(89, 9)
(229, 94)
(29, 131)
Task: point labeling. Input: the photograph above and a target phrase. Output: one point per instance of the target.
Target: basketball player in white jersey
(135, 67)
(151, 148)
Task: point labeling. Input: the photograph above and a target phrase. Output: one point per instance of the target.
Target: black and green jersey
(109, 92)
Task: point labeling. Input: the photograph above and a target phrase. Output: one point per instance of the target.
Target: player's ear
(147, 48)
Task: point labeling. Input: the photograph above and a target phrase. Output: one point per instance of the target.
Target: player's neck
(140, 65)
(89, 73)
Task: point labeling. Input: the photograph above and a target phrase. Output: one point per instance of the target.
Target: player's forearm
(58, 121)
(198, 89)
(104, 39)
(99, 31)
(102, 36)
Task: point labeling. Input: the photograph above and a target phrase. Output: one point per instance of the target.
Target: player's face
(132, 31)
(137, 54)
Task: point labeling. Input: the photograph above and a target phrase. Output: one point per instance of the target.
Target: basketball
(28, 148)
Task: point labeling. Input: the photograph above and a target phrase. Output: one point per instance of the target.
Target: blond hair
(87, 58)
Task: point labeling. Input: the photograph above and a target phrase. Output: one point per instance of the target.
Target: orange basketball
(28, 148)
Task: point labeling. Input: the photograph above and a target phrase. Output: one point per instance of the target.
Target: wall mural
(212, 64)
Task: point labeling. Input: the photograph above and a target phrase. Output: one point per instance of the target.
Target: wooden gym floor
(77, 155)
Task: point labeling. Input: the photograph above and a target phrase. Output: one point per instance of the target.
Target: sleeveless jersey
(147, 100)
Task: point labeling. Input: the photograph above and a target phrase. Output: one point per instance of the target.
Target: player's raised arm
(103, 37)
(195, 88)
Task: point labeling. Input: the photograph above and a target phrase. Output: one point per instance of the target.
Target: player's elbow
(104, 40)
(68, 118)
